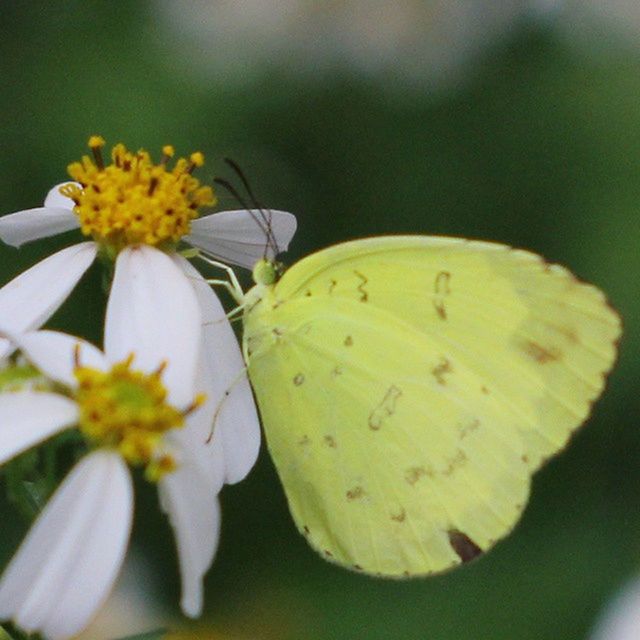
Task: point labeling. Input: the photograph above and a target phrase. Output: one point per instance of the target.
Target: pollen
(134, 201)
(128, 410)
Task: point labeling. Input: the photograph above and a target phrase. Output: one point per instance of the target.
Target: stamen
(167, 153)
(70, 191)
(195, 160)
(198, 401)
(95, 144)
(160, 370)
(76, 355)
(159, 467)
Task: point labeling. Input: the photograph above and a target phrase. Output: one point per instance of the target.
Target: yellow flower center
(133, 200)
(128, 410)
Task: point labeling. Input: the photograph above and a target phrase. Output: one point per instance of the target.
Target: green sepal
(107, 256)
(10, 632)
(5, 635)
(189, 253)
(19, 376)
(33, 476)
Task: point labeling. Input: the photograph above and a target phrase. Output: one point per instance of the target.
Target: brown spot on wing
(356, 493)
(541, 354)
(385, 409)
(441, 290)
(466, 428)
(400, 516)
(348, 341)
(454, 463)
(463, 545)
(330, 441)
(413, 474)
(442, 369)
(304, 441)
(298, 379)
(569, 333)
(364, 296)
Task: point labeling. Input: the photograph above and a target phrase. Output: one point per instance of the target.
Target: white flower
(621, 617)
(136, 403)
(133, 202)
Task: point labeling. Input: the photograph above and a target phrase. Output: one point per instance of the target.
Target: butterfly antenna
(264, 214)
(225, 184)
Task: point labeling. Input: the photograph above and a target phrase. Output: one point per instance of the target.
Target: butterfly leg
(232, 315)
(233, 285)
(242, 375)
(236, 293)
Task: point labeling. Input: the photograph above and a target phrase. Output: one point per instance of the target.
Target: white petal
(33, 224)
(203, 421)
(621, 619)
(196, 436)
(134, 606)
(56, 200)
(237, 425)
(240, 237)
(70, 559)
(55, 354)
(29, 300)
(29, 417)
(194, 513)
(153, 313)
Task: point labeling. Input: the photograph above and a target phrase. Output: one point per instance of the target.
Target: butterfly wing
(410, 385)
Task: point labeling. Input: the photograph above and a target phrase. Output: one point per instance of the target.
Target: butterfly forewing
(542, 341)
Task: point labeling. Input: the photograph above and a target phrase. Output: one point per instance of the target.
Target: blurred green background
(531, 138)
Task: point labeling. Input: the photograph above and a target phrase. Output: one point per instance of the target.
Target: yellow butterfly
(410, 386)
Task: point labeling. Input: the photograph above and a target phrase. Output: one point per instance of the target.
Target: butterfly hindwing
(387, 466)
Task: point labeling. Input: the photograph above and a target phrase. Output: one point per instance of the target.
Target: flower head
(132, 200)
(167, 342)
(127, 410)
(139, 403)
(106, 203)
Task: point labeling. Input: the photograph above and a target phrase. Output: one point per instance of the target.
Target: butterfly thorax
(258, 304)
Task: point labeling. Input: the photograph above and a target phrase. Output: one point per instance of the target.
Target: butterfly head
(267, 272)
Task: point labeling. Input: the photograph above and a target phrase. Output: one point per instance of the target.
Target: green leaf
(33, 476)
